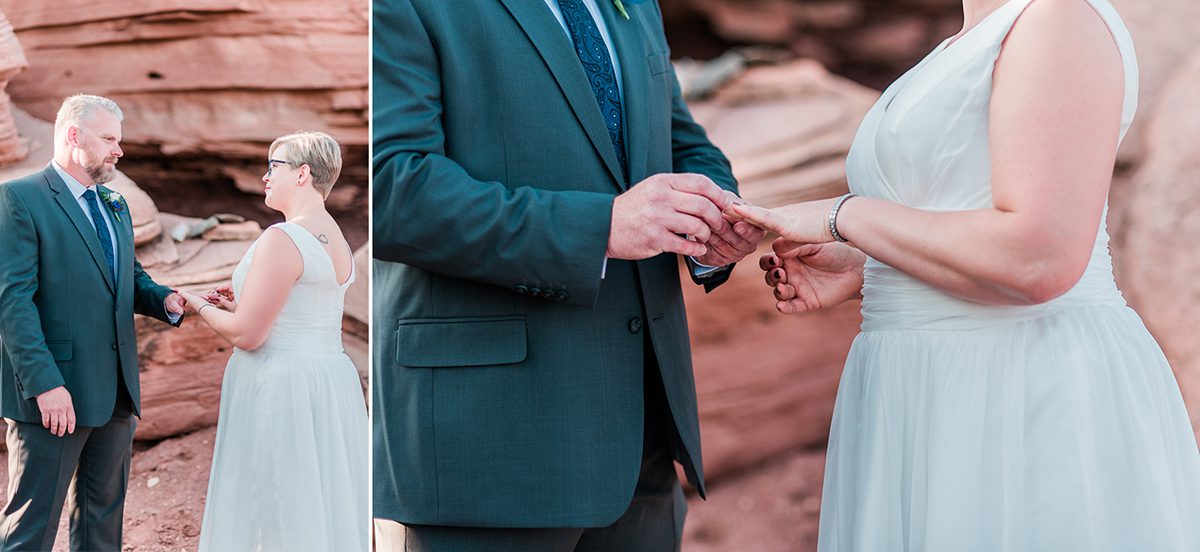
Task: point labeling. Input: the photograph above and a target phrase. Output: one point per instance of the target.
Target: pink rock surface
(220, 77)
(13, 147)
(1164, 36)
(1156, 242)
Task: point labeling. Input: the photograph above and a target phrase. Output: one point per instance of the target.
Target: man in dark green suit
(535, 171)
(69, 286)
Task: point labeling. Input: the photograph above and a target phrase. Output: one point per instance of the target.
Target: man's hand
(58, 415)
(731, 243)
(650, 217)
(175, 303)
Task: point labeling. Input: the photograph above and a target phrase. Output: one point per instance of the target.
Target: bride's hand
(222, 297)
(194, 302)
(809, 277)
(806, 222)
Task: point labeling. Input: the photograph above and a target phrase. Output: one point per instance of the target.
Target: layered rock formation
(205, 85)
(13, 148)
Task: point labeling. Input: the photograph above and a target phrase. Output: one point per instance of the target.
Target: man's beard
(99, 173)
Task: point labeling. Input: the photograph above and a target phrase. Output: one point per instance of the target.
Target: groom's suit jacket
(508, 374)
(63, 320)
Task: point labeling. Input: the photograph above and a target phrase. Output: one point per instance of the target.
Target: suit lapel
(628, 43)
(555, 48)
(124, 241)
(86, 231)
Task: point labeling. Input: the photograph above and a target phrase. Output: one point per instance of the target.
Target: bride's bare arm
(274, 269)
(1054, 122)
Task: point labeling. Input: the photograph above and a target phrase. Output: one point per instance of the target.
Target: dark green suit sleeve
(19, 321)
(430, 213)
(692, 153)
(149, 297)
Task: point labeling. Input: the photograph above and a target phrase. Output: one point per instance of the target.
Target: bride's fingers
(784, 292)
(775, 276)
(784, 247)
(758, 216)
(791, 307)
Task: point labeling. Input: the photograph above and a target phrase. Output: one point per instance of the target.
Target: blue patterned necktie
(101, 232)
(593, 53)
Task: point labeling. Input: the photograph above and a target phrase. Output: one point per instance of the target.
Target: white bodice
(925, 145)
(311, 320)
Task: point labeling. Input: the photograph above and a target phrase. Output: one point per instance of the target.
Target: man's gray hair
(78, 107)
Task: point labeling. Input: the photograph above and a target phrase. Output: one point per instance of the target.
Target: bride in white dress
(1001, 395)
(289, 468)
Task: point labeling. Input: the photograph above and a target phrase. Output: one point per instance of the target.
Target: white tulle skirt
(289, 468)
(1066, 432)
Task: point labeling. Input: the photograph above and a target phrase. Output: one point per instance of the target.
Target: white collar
(77, 189)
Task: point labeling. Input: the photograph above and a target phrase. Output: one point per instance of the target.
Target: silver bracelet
(833, 213)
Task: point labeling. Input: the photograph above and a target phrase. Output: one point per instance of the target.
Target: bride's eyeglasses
(272, 163)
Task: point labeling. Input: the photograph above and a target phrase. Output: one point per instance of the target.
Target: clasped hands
(806, 269)
(220, 297)
(682, 214)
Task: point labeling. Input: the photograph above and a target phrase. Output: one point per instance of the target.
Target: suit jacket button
(635, 325)
(535, 291)
(562, 296)
(547, 293)
(114, 346)
(521, 289)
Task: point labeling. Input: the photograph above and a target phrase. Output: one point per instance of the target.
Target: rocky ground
(166, 494)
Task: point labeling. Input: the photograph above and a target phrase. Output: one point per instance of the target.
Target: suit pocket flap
(446, 342)
(61, 350)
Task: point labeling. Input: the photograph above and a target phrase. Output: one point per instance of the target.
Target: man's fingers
(699, 207)
(45, 419)
(70, 419)
(700, 185)
(748, 232)
(680, 223)
(675, 244)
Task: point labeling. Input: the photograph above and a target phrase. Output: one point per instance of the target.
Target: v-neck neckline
(938, 52)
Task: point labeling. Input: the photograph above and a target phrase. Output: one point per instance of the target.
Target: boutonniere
(116, 203)
(621, 6)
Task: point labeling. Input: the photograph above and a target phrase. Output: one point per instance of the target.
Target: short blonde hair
(319, 151)
(78, 107)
